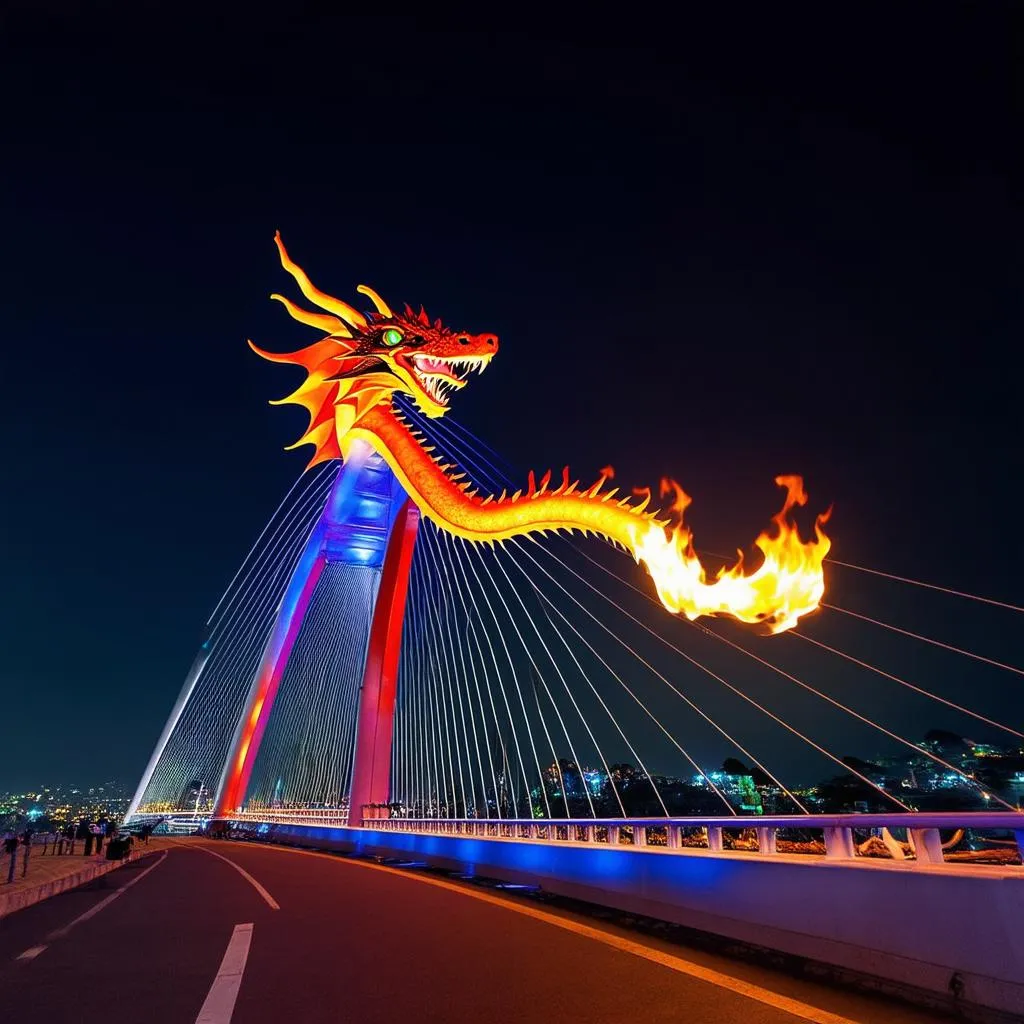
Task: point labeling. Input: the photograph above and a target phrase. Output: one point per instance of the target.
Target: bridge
(371, 686)
(438, 772)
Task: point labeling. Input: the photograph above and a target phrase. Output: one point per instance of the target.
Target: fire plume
(787, 585)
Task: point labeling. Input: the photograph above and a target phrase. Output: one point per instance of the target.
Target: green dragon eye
(391, 337)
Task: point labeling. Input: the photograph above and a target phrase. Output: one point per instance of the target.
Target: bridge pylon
(369, 525)
(368, 522)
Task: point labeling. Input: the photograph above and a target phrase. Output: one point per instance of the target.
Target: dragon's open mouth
(439, 376)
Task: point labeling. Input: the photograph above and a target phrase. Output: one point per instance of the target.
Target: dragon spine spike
(545, 480)
(516, 496)
(531, 485)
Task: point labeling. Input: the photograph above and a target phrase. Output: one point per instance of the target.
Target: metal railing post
(927, 845)
(839, 843)
(766, 839)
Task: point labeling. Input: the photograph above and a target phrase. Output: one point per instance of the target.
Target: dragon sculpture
(363, 359)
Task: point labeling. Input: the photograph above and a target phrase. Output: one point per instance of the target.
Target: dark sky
(717, 250)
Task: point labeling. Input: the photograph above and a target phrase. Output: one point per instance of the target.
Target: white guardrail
(835, 836)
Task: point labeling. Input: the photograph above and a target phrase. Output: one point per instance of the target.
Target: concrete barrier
(952, 934)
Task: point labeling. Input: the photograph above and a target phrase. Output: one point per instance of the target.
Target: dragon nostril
(490, 341)
(463, 341)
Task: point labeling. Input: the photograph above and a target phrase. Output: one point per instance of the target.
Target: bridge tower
(370, 524)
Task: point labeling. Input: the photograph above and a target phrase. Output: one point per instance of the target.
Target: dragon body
(362, 360)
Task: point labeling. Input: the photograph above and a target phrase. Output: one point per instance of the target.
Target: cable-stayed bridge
(419, 661)
(529, 709)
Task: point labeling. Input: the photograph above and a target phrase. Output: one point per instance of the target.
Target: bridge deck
(351, 940)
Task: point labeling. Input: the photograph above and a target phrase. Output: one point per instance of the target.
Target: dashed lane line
(220, 1000)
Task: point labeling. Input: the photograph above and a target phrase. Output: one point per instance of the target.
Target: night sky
(719, 251)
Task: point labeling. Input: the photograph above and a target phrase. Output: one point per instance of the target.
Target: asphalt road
(337, 940)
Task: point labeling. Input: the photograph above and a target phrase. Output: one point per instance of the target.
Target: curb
(11, 902)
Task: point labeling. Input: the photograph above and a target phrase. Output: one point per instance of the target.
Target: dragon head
(365, 358)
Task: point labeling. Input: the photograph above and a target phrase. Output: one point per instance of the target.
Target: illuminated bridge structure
(372, 685)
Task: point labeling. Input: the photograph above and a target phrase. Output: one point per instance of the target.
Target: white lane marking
(804, 1011)
(93, 911)
(31, 953)
(271, 902)
(220, 1000)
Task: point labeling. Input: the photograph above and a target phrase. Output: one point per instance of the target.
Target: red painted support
(257, 713)
(371, 772)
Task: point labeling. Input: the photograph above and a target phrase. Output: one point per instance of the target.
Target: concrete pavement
(166, 940)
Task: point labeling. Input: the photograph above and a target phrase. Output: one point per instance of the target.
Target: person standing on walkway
(11, 850)
(83, 833)
(26, 841)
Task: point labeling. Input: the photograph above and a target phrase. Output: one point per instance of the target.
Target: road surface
(224, 931)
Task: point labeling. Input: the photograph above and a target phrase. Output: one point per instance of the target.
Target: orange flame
(788, 585)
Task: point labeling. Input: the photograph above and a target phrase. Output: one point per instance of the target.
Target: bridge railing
(336, 816)
(930, 839)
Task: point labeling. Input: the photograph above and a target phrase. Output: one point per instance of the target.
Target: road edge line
(60, 933)
(271, 902)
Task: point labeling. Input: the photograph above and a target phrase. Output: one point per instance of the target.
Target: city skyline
(911, 778)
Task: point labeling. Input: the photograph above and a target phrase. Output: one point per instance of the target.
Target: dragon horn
(324, 301)
(382, 307)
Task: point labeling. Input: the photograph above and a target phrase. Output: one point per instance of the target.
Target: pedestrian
(84, 833)
(69, 835)
(11, 850)
(26, 840)
(97, 838)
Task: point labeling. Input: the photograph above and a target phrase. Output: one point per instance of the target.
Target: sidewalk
(50, 875)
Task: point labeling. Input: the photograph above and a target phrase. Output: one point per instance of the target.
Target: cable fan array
(542, 678)
(187, 773)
